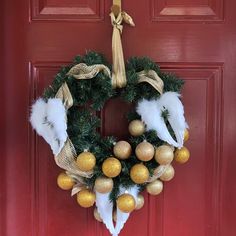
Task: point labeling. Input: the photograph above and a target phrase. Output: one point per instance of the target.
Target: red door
(193, 38)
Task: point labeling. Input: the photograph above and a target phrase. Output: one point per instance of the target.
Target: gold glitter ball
(86, 161)
(126, 203)
(64, 181)
(136, 128)
(86, 198)
(139, 173)
(111, 167)
(122, 150)
(144, 151)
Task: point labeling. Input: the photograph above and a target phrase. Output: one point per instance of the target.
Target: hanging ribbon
(118, 70)
(64, 94)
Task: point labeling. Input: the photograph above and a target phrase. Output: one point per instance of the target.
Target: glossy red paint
(194, 38)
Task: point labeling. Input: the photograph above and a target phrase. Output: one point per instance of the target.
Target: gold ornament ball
(145, 151)
(86, 161)
(126, 203)
(164, 155)
(155, 187)
(111, 167)
(136, 128)
(186, 135)
(103, 184)
(64, 181)
(168, 174)
(139, 202)
(139, 173)
(182, 155)
(122, 150)
(97, 215)
(86, 198)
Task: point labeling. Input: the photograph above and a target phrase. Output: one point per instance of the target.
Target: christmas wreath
(105, 170)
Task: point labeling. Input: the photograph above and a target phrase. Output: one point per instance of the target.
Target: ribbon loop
(157, 173)
(152, 78)
(82, 71)
(64, 94)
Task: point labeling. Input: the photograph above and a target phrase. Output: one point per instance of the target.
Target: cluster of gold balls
(139, 173)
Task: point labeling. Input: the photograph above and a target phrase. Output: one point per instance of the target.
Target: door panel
(194, 39)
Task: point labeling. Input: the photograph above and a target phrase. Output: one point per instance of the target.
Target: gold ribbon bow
(118, 70)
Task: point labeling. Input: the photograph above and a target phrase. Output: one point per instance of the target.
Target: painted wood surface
(194, 38)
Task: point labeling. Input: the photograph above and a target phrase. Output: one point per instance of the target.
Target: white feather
(105, 210)
(171, 102)
(150, 113)
(48, 119)
(56, 115)
(38, 114)
(38, 118)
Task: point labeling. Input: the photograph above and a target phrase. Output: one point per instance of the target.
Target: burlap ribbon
(118, 70)
(82, 71)
(66, 159)
(157, 173)
(79, 183)
(67, 156)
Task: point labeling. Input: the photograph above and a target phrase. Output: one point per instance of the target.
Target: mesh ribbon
(157, 173)
(66, 160)
(82, 71)
(67, 156)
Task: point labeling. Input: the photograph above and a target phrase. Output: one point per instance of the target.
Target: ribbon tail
(64, 94)
(158, 173)
(152, 78)
(127, 18)
(118, 70)
(105, 210)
